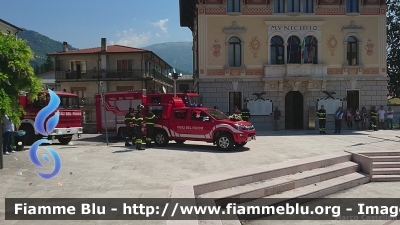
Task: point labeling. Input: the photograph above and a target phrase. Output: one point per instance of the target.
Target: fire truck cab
(70, 120)
(180, 123)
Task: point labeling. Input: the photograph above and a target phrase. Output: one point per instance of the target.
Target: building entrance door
(293, 110)
(353, 99)
(235, 99)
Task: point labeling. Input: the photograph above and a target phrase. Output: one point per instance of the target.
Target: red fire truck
(70, 120)
(117, 106)
(179, 119)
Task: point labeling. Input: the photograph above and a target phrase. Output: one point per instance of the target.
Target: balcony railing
(111, 75)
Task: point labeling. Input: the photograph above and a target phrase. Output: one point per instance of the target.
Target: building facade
(292, 54)
(120, 68)
(8, 28)
(184, 83)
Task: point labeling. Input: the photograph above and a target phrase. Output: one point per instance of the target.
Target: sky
(82, 23)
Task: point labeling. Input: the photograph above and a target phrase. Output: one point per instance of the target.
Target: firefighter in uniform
(130, 130)
(150, 118)
(373, 116)
(245, 113)
(322, 119)
(139, 120)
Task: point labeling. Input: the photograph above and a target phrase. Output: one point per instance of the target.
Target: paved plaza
(91, 169)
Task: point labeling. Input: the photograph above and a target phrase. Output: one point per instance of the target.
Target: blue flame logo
(40, 128)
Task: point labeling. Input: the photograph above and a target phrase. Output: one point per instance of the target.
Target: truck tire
(161, 138)
(241, 144)
(122, 132)
(64, 141)
(30, 136)
(180, 141)
(225, 141)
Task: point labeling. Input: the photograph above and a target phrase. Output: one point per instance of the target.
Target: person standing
(237, 112)
(8, 131)
(373, 116)
(357, 118)
(381, 117)
(139, 126)
(364, 118)
(246, 113)
(322, 119)
(150, 118)
(389, 117)
(130, 130)
(349, 119)
(338, 120)
(277, 116)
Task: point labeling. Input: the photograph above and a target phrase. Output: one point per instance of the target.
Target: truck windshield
(217, 114)
(68, 102)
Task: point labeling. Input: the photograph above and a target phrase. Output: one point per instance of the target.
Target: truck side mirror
(206, 118)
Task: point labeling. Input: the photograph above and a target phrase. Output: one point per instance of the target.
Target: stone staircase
(313, 177)
(383, 166)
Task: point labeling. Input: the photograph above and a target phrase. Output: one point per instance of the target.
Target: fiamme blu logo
(45, 129)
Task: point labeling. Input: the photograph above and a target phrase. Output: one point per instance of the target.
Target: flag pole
(303, 48)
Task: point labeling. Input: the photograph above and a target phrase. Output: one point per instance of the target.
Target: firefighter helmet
(130, 109)
(140, 107)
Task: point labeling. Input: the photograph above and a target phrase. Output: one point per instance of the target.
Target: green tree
(49, 64)
(16, 75)
(393, 46)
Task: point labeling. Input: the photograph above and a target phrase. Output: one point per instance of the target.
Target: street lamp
(175, 77)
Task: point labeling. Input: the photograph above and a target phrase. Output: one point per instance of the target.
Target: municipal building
(292, 54)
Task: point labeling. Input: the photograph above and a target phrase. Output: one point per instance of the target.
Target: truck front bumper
(245, 137)
(67, 131)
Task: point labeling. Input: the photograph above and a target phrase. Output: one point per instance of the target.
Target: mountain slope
(177, 54)
(40, 45)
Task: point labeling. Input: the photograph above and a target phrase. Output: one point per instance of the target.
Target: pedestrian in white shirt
(8, 131)
(381, 118)
(389, 117)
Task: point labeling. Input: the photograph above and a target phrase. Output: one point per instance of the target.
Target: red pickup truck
(199, 124)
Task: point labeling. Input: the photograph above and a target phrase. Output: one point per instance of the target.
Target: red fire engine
(179, 119)
(70, 120)
(116, 106)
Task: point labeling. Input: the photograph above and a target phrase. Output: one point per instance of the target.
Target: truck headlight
(240, 127)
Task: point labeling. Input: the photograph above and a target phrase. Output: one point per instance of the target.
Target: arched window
(233, 5)
(310, 50)
(351, 6)
(277, 50)
(234, 50)
(352, 51)
(293, 50)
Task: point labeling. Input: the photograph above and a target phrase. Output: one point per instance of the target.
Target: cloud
(129, 38)
(161, 24)
(158, 35)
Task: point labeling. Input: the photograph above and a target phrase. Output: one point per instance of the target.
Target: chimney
(65, 46)
(103, 45)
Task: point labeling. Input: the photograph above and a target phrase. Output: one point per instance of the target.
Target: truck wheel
(161, 138)
(241, 144)
(30, 136)
(225, 142)
(122, 133)
(180, 141)
(64, 141)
